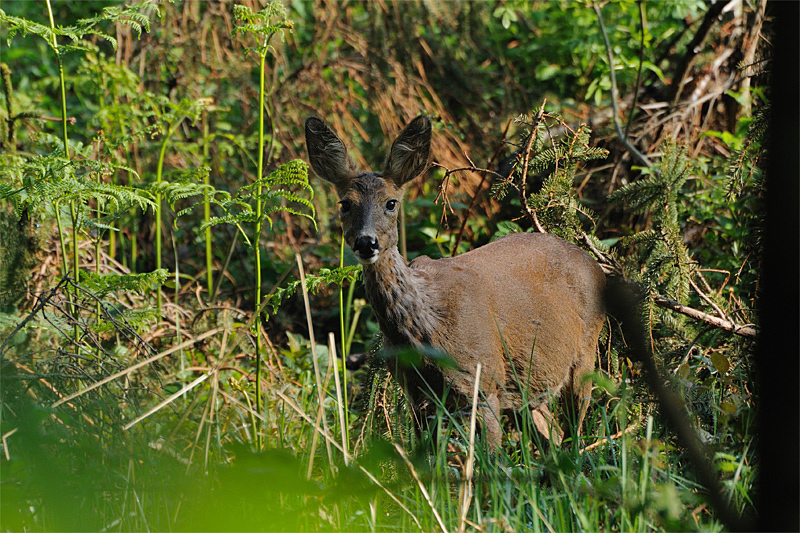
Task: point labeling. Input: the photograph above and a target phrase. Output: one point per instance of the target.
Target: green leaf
(720, 362)
(506, 227)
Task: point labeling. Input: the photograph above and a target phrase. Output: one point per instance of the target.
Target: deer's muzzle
(366, 248)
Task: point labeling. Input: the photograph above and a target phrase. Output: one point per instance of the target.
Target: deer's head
(369, 201)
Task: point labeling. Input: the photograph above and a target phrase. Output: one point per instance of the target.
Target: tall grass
(198, 465)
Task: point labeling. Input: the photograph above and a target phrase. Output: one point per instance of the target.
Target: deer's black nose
(366, 246)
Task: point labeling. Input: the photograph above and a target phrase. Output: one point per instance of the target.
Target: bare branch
(523, 197)
(745, 331)
(615, 96)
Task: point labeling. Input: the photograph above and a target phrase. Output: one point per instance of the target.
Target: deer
(528, 307)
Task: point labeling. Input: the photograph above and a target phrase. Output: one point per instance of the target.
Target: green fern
(325, 277)
(101, 285)
(277, 191)
(129, 15)
(188, 184)
(138, 320)
(261, 24)
(42, 182)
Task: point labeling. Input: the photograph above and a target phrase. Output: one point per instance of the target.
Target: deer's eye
(391, 205)
(344, 207)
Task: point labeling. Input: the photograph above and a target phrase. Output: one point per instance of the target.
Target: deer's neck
(401, 301)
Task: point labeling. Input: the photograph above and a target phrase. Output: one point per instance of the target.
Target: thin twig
(637, 86)
(40, 305)
(708, 300)
(446, 205)
(139, 365)
(604, 440)
(479, 189)
(521, 188)
(615, 95)
(607, 262)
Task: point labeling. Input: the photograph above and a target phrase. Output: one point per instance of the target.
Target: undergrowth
(168, 281)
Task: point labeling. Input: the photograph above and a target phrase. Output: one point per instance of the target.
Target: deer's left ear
(411, 152)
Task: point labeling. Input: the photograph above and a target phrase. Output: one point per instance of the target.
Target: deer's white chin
(367, 260)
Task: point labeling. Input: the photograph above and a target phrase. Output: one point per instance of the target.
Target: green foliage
(666, 265)
(43, 183)
(104, 284)
(742, 171)
(314, 282)
(187, 185)
(571, 63)
(288, 183)
(555, 204)
(278, 190)
(261, 24)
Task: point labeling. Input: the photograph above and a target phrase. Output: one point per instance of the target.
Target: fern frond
(138, 320)
(104, 284)
(244, 217)
(275, 192)
(314, 282)
(189, 184)
(288, 195)
(15, 25)
(261, 24)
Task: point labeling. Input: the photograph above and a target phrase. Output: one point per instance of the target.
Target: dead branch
(727, 325)
(612, 268)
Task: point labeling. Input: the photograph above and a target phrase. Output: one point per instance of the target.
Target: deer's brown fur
(528, 306)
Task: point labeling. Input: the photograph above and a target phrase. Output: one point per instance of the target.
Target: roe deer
(528, 307)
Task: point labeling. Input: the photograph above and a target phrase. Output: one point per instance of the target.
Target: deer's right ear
(328, 155)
